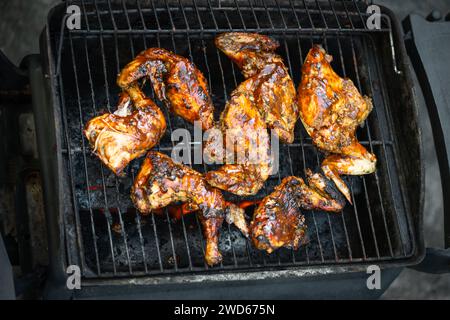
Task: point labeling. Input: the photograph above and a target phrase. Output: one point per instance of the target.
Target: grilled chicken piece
(247, 145)
(278, 222)
(275, 95)
(176, 81)
(331, 109)
(161, 182)
(119, 137)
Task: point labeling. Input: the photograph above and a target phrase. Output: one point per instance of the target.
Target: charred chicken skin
(331, 109)
(119, 137)
(161, 182)
(275, 95)
(176, 82)
(278, 222)
(245, 135)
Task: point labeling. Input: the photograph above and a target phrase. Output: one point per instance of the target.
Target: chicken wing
(331, 109)
(161, 182)
(278, 222)
(275, 94)
(247, 145)
(176, 81)
(119, 137)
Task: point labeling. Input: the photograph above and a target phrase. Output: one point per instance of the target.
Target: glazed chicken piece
(247, 145)
(275, 95)
(119, 137)
(265, 100)
(278, 222)
(331, 109)
(161, 182)
(176, 81)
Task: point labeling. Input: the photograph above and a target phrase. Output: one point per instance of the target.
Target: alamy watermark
(73, 20)
(374, 280)
(374, 20)
(230, 146)
(74, 277)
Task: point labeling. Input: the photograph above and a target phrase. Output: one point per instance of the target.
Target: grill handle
(428, 44)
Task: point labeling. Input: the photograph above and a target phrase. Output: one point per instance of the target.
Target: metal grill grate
(107, 237)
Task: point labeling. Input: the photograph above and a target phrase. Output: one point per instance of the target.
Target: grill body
(93, 223)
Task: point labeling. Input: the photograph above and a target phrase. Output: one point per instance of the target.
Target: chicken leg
(161, 182)
(331, 109)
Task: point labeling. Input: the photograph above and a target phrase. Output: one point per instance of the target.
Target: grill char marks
(176, 81)
(161, 182)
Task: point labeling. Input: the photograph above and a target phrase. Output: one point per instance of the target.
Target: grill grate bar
(363, 248)
(155, 233)
(268, 15)
(318, 163)
(257, 267)
(341, 58)
(138, 219)
(372, 150)
(363, 21)
(157, 243)
(174, 255)
(281, 14)
(301, 142)
(85, 14)
(250, 7)
(191, 57)
(235, 262)
(278, 173)
(97, 260)
(119, 211)
(293, 145)
(331, 31)
(322, 15)
(111, 245)
(209, 85)
(240, 14)
(376, 112)
(362, 177)
(197, 221)
(286, 48)
(348, 16)
(77, 217)
(335, 15)
(308, 12)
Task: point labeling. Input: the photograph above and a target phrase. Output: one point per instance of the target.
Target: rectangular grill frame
(70, 225)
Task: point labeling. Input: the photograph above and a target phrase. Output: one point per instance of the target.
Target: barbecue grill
(92, 222)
